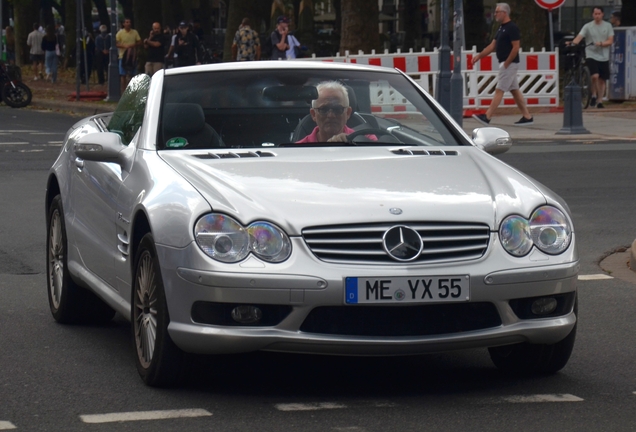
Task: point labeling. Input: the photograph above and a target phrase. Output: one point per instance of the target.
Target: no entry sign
(550, 4)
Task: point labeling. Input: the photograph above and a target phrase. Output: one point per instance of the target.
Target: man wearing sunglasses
(330, 112)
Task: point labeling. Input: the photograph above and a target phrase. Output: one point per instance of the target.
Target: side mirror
(100, 147)
(492, 140)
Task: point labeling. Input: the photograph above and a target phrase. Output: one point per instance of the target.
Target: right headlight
(226, 240)
(548, 229)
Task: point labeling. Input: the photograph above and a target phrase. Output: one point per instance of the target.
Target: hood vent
(235, 154)
(421, 152)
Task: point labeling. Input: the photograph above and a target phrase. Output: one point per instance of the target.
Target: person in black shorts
(599, 37)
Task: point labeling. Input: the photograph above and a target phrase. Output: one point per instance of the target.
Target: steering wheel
(371, 131)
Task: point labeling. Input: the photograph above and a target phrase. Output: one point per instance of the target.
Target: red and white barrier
(538, 75)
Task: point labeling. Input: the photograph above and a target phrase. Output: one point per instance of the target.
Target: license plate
(407, 289)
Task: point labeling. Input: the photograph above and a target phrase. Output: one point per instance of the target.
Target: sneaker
(525, 122)
(593, 101)
(481, 118)
(600, 105)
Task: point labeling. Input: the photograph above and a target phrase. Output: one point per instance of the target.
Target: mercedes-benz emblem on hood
(402, 243)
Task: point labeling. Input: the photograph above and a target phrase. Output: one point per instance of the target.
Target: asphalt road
(55, 377)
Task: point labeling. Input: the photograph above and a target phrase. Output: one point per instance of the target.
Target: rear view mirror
(290, 93)
(492, 140)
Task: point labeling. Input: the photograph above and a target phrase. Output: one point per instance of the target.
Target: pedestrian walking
(154, 43)
(103, 43)
(10, 40)
(50, 46)
(506, 45)
(599, 37)
(127, 40)
(34, 41)
(246, 45)
(279, 38)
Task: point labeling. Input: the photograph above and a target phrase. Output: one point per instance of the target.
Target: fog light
(544, 306)
(246, 314)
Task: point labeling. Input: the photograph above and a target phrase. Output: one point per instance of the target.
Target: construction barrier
(538, 75)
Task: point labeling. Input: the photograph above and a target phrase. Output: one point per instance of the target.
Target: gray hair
(504, 7)
(332, 85)
(103, 28)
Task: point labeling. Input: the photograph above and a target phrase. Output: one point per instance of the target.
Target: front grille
(419, 320)
(362, 244)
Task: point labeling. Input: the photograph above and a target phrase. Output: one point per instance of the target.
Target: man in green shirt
(599, 35)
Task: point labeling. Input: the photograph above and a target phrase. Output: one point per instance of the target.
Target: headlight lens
(515, 236)
(269, 242)
(548, 229)
(222, 238)
(226, 240)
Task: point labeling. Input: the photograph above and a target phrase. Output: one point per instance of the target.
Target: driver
(330, 112)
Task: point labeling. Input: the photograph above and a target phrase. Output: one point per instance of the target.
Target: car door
(95, 186)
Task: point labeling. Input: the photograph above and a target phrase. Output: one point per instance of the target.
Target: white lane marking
(16, 131)
(13, 143)
(309, 406)
(543, 398)
(56, 142)
(5, 425)
(144, 415)
(47, 133)
(599, 276)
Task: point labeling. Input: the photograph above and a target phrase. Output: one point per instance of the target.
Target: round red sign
(550, 4)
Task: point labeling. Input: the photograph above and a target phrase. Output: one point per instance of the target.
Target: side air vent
(235, 155)
(421, 152)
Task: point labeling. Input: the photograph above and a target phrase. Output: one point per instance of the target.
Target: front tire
(158, 359)
(18, 96)
(526, 358)
(69, 303)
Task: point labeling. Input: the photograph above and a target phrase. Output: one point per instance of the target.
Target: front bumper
(295, 284)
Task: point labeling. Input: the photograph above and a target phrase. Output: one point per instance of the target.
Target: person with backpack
(246, 45)
(278, 38)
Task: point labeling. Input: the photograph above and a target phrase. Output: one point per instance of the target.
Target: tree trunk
(25, 14)
(412, 24)
(628, 13)
(532, 21)
(475, 26)
(127, 8)
(102, 12)
(359, 26)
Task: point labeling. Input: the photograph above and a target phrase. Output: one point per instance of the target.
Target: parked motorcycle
(14, 92)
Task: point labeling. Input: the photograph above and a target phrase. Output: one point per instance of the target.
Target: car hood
(297, 188)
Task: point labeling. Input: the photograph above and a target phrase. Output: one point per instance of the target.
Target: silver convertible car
(305, 207)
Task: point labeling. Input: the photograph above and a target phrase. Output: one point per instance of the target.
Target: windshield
(295, 108)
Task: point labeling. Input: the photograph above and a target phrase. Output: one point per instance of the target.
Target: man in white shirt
(34, 41)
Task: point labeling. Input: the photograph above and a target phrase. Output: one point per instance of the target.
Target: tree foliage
(360, 19)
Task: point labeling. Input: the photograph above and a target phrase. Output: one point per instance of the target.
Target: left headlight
(548, 229)
(226, 240)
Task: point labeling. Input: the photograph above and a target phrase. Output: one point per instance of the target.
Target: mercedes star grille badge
(402, 243)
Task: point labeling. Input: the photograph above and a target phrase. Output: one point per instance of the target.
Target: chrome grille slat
(362, 244)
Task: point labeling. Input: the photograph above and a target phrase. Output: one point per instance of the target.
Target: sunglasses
(336, 109)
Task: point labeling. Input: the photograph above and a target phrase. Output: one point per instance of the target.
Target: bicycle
(576, 71)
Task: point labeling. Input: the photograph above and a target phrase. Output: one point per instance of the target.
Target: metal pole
(457, 80)
(551, 30)
(114, 90)
(84, 34)
(443, 79)
(78, 32)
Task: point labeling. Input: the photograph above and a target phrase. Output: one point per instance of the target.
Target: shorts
(37, 58)
(152, 67)
(128, 71)
(598, 67)
(507, 78)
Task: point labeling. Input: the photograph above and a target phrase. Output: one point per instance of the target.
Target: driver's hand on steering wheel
(341, 137)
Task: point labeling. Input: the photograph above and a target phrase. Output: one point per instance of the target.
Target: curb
(77, 108)
(632, 257)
